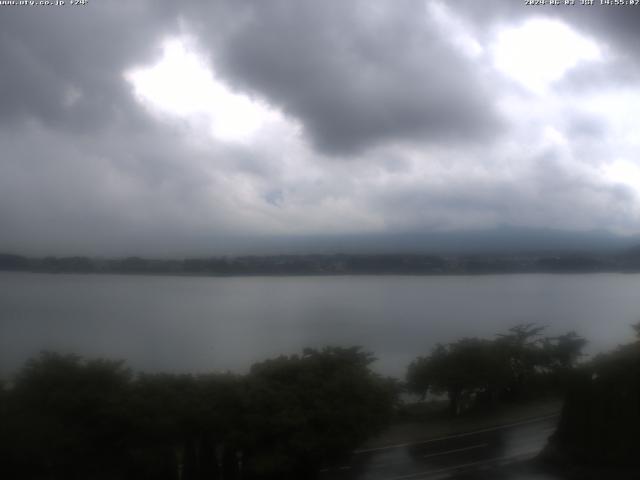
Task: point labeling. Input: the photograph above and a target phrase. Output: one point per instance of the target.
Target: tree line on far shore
(334, 264)
(64, 417)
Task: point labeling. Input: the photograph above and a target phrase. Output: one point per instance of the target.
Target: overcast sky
(163, 127)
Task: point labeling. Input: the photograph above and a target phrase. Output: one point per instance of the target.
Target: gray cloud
(432, 140)
(554, 196)
(355, 76)
(616, 26)
(63, 66)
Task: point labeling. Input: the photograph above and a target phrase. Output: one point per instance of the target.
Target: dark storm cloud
(63, 66)
(355, 74)
(616, 26)
(86, 167)
(118, 193)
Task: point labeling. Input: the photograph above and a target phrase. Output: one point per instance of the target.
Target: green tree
(636, 329)
(68, 418)
(181, 421)
(514, 365)
(467, 369)
(522, 350)
(563, 351)
(600, 421)
(308, 410)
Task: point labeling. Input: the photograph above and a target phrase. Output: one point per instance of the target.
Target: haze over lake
(196, 324)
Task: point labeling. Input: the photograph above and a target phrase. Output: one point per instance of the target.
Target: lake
(198, 324)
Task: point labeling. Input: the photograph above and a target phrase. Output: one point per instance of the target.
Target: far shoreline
(339, 264)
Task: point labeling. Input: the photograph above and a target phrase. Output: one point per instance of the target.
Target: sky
(174, 128)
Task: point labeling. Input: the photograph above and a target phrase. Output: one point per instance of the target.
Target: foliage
(68, 415)
(636, 330)
(600, 421)
(69, 418)
(465, 368)
(314, 408)
(476, 371)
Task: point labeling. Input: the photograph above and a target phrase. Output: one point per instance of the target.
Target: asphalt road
(492, 453)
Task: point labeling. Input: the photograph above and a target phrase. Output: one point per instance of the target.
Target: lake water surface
(197, 324)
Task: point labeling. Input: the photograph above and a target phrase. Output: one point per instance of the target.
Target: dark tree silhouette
(465, 370)
(308, 410)
(600, 421)
(513, 366)
(69, 418)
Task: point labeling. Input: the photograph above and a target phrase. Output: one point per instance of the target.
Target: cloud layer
(167, 129)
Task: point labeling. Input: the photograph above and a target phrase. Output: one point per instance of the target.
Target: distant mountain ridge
(505, 249)
(501, 240)
(504, 239)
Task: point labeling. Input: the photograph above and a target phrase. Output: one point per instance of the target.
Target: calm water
(203, 324)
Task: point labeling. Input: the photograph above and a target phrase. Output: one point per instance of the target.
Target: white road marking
(458, 435)
(456, 450)
(504, 459)
(446, 452)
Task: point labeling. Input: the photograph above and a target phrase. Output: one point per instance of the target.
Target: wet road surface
(496, 453)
